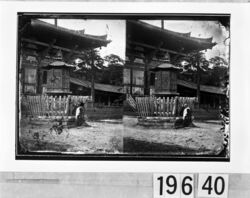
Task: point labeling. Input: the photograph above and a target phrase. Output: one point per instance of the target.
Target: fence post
(168, 106)
(67, 105)
(176, 106)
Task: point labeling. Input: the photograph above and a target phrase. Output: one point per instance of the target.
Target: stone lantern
(166, 79)
(58, 76)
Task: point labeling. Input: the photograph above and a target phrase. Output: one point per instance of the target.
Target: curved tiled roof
(98, 86)
(46, 32)
(204, 88)
(141, 32)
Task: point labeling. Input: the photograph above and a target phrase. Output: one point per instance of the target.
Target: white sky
(115, 29)
(116, 32)
(201, 29)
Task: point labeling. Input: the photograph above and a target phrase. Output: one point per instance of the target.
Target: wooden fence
(44, 105)
(166, 106)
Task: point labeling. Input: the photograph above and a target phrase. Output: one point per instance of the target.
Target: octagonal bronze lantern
(166, 79)
(58, 78)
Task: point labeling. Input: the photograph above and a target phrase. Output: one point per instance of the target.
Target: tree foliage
(212, 71)
(114, 60)
(218, 61)
(192, 61)
(107, 70)
(89, 60)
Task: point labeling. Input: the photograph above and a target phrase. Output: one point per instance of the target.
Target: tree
(114, 60)
(218, 61)
(194, 62)
(90, 60)
(217, 72)
(113, 73)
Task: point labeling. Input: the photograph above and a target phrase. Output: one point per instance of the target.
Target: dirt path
(204, 139)
(118, 137)
(98, 137)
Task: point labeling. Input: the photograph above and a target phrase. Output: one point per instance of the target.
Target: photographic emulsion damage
(123, 87)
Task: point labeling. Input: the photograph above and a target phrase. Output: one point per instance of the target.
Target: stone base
(67, 120)
(157, 122)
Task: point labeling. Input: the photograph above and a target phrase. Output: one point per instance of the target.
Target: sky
(116, 30)
(201, 29)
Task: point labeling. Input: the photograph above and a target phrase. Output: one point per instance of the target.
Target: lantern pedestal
(157, 122)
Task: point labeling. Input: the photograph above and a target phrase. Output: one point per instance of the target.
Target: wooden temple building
(46, 61)
(148, 70)
(47, 53)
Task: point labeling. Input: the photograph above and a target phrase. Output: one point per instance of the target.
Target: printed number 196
(173, 185)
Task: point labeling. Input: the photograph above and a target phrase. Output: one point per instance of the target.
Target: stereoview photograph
(121, 88)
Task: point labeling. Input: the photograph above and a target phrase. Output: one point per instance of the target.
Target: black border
(222, 17)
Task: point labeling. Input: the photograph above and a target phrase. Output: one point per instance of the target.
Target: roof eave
(69, 32)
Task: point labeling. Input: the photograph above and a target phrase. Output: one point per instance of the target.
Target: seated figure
(186, 118)
(79, 115)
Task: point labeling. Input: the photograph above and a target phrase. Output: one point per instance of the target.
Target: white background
(239, 74)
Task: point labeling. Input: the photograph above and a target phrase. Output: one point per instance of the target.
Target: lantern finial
(59, 55)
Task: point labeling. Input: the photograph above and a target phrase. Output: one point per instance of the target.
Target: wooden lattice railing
(44, 105)
(165, 106)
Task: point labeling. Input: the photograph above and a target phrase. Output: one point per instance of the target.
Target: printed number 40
(208, 185)
(213, 185)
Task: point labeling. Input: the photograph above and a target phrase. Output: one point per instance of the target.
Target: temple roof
(144, 33)
(120, 89)
(63, 37)
(98, 86)
(204, 88)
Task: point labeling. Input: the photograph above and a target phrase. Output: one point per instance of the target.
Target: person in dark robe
(185, 118)
(79, 115)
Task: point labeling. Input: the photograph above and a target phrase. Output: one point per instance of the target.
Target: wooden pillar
(146, 83)
(204, 98)
(21, 72)
(109, 100)
(214, 101)
(162, 24)
(56, 22)
(131, 81)
(92, 78)
(220, 100)
(198, 82)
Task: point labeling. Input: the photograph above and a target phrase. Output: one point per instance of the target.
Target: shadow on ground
(138, 146)
(31, 146)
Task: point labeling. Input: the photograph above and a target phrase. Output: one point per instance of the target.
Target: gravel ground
(203, 139)
(122, 136)
(95, 138)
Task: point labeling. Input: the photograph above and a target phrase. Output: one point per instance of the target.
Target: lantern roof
(165, 67)
(60, 63)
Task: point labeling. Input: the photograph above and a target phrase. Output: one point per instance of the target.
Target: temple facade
(150, 52)
(46, 56)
